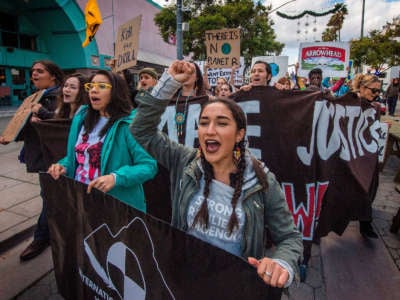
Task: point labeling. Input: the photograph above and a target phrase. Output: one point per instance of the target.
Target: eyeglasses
(100, 85)
(374, 90)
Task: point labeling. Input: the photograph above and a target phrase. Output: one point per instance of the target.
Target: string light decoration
(336, 8)
(308, 13)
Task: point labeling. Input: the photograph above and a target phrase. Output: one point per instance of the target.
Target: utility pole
(179, 33)
(362, 19)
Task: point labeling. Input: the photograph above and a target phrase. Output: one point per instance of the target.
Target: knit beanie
(150, 71)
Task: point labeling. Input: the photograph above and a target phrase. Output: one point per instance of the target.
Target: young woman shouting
(221, 187)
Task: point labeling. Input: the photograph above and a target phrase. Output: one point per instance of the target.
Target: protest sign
(223, 47)
(278, 64)
(215, 73)
(331, 57)
(127, 44)
(21, 116)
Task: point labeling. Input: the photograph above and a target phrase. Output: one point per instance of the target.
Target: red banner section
(323, 51)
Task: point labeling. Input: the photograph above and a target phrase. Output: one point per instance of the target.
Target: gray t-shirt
(220, 210)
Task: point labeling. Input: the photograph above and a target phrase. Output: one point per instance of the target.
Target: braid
(202, 215)
(262, 178)
(233, 220)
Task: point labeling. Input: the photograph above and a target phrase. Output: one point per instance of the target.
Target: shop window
(8, 22)
(27, 42)
(18, 76)
(10, 39)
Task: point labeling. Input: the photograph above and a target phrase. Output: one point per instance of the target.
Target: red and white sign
(332, 58)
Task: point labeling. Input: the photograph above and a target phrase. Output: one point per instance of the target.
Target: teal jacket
(263, 209)
(121, 155)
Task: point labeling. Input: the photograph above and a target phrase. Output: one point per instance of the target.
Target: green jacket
(263, 209)
(121, 155)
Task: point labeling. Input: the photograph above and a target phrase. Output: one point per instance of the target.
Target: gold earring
(198, 154)
(236, 153)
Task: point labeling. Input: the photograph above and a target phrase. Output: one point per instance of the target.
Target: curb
(7, 113)
(32, 284)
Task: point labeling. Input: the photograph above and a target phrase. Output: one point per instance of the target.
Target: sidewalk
(20, 203)
(345, 267)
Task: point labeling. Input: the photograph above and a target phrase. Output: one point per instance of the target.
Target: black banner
(104, 249)
(53, 136)
(324, 153)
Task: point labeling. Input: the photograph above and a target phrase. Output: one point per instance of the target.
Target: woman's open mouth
(212, 146)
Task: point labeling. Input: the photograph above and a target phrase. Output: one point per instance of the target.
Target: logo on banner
(121, 266)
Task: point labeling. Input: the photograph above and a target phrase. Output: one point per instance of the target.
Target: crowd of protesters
(109, 112)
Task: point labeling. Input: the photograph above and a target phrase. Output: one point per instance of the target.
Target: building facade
(55, 29)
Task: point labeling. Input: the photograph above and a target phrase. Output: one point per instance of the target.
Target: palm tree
(335, 24)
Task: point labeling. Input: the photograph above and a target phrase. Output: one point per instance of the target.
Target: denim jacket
(263, 209)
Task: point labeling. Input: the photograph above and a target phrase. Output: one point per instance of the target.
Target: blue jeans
(392, 101)
(42, 228)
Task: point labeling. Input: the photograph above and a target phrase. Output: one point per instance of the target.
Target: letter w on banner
(104, 249)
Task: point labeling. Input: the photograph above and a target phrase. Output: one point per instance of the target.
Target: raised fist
(181, 70)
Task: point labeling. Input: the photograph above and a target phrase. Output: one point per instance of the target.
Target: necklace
(180, 117)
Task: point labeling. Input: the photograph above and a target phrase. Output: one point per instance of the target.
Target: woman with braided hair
(220, 193)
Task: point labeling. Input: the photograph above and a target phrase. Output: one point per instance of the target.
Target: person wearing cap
(148, 78)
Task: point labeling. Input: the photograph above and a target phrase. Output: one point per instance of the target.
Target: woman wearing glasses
(368, 88)
(101, 152)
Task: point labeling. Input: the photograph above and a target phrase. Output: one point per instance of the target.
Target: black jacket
(33, 156)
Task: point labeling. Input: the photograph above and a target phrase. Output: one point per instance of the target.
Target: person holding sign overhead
(46, 76)
(223, 174)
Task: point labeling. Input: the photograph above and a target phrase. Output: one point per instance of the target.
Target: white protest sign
(214, 74)
(331, 57)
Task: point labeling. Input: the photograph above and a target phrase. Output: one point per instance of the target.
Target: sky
(293, 32)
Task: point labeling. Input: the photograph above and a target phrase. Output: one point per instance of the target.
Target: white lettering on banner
(117, 255)
(351, 144)
(193, 115)
(94, 287)
(168, 119)
(252, 107)
(322, 52)
(327, 116)
(382, 141)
